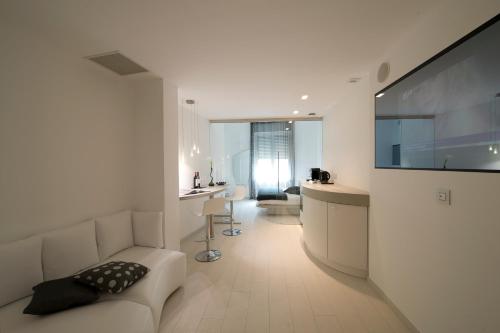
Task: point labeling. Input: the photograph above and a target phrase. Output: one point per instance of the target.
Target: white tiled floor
(266, 283)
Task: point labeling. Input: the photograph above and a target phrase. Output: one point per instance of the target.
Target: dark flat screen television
(445, 114)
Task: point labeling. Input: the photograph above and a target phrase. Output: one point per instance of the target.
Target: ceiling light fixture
(195, 130)
(304, 97)
(296, 112)
(290, 121)
(380, 95)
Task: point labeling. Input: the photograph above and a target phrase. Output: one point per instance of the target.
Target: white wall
(147, 101)
(155, 176)
(347, 142)
(171, 166)
(66, 131)
(78, 141)
(437, 263)
(189, 133)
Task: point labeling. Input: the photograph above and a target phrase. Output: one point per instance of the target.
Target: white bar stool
(210, 207)
(239, 194)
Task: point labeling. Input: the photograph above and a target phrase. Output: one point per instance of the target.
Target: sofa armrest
(148, 229)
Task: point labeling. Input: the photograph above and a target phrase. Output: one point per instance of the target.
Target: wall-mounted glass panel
(230, 153)
(308, 148)
(445, 114)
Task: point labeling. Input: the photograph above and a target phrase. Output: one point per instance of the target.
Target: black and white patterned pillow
(58, 295)
(112, 277)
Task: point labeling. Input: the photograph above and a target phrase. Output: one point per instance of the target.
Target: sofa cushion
(69, 250)
(167, 273)
(112, 277)
(21, 264)
(61, 294)
(101, 317)
(114, 233)
(293, 190)
(148, 230)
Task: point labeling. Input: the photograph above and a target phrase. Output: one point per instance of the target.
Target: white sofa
(124, 236)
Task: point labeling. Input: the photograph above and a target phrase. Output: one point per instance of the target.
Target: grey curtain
(272, 157)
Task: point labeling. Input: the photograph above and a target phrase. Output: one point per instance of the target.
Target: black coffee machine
(324, 177)
(315, 172)
(321, 175)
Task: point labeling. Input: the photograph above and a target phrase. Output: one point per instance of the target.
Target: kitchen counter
(202, 192)
(208, 191)
(335, 220)
(336, 193)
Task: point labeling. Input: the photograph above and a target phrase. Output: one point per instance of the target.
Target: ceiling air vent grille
(118, 63)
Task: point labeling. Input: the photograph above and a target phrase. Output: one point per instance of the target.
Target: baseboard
(356, 272)
(393, 307)
(192, 233)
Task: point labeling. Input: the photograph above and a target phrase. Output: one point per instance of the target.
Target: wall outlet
(443, 196)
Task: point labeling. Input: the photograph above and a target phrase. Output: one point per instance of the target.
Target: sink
(196, 192)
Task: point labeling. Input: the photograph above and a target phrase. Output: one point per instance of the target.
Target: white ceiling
(238, 59)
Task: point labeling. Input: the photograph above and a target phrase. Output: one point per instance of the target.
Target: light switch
(444, 196)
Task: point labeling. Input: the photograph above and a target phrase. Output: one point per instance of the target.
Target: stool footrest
(231, 232)
(208, 256)
(226, 222)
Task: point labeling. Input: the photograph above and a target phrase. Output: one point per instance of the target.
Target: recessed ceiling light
(290, 121)
(379, 95)
(304, 97)
(354, 79)
(296, 112)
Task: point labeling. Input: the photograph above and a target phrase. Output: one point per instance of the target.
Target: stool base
(208, 256)
(231, 232)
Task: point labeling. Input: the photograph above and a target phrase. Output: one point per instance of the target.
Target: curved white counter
(335, 219)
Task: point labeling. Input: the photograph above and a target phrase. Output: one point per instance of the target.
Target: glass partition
(231, 155)
(445, 114)
(405, 143)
